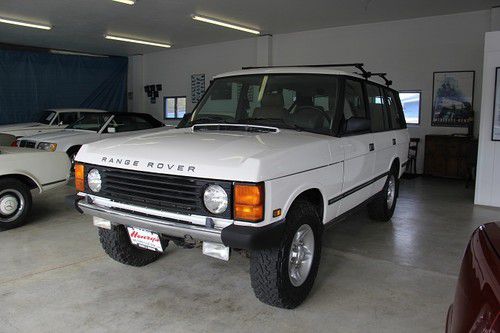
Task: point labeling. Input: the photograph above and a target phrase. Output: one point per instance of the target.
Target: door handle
(371, 146)
(393, 142)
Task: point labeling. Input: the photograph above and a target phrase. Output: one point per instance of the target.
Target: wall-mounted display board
(197, 87)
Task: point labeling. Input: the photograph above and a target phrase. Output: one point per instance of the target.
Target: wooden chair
(411, 166)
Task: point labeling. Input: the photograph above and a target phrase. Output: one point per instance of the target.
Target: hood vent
(235, 127)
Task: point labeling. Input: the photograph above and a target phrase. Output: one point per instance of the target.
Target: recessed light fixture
(25, 24)
(127, 2)
(137, 41)
(224, 24)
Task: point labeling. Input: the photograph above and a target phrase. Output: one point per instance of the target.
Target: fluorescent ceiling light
(223, 24)
(25, 24)
(127, 2)
(137, 41)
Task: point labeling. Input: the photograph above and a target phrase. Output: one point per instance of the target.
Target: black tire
(116, 243)
(269, 268)
(19, 192)
(378, 208)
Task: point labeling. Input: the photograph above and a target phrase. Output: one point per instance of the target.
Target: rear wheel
(116, 243)
(283, 276)
(382, 207)
(15, 203)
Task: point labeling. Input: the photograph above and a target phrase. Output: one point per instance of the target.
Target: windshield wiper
(281, 120)
(208, 120)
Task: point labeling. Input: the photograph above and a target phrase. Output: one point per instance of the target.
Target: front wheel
(283, 276)
(15, 203)
(383, 205)
(116, 243)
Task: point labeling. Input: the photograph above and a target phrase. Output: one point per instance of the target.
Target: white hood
(18, 127)
(233, 155)
(56, 137)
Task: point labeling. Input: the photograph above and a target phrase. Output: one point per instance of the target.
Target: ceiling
(79, 25)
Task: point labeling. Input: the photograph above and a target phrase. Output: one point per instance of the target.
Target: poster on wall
(197, 87)
(496, 108)
(453, 98)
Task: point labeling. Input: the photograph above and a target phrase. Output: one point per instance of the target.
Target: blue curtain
(33, 81)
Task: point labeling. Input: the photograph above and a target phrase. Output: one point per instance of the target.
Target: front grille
(27, 144)
(164, 192)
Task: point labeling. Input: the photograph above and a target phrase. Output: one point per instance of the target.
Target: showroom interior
(103, 69)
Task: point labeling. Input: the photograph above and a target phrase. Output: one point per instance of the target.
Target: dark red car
(476, 307)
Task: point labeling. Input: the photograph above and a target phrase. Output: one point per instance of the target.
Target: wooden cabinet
(450, 156)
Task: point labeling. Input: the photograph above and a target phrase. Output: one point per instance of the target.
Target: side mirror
(60, 123)
(184, 120)
(356, 125)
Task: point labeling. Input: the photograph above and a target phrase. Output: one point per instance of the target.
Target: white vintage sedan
(47, 121)
(90, 128)
(23, 170)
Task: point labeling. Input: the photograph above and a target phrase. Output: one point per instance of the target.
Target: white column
(488, 165)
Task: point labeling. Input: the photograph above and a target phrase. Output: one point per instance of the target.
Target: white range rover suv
(268, 158)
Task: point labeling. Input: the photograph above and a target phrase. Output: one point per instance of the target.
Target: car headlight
(94, 180)
(47, 146)
(215, 199)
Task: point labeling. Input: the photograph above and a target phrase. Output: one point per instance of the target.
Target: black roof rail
(383, 76)
(360, 66)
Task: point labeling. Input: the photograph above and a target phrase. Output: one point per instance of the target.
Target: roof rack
(383, 76)
(359, 66)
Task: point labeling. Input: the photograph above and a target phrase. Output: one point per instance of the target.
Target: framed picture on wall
(453, 98)
(495, 136)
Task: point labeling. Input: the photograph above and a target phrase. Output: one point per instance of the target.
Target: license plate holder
(145, 239)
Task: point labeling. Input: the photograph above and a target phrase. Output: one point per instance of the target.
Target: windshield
(90, 122)
(45, 117)
(298, 101)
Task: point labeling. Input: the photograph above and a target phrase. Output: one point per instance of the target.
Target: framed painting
(453, 98)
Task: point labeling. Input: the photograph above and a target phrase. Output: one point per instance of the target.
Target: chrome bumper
(165, 226)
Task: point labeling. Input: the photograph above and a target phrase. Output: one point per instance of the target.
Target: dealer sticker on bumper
(145, 239)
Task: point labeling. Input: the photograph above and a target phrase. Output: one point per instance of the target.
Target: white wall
(408, 50)
(488, 168)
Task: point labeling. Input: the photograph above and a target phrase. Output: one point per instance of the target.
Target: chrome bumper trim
(159, 225)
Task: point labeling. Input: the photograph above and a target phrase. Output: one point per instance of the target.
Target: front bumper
(234, 236)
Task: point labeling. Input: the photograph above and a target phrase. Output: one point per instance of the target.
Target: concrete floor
(393, 277)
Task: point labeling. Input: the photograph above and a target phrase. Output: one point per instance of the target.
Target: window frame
(415, 91)
(385, 107)
(176, 109)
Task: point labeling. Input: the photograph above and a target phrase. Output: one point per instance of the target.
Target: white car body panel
(289, 162)
(27, 129)
(46, 170)
(67, 138)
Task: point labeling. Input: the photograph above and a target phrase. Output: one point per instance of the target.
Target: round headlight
(215, 199)
(94, 180)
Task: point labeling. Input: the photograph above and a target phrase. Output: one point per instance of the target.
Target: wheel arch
(396, 165)
(314, 195)
(25, 178)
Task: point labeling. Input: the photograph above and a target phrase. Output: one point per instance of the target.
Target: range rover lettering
(267, 159)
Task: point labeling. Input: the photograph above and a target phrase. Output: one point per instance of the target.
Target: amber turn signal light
(249, 202)
(79, 177)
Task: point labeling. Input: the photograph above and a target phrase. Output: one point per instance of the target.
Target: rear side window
(378, 113)
(396, 116)
(354, 105)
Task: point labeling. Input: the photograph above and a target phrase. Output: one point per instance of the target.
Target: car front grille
(27, 144)
(164, 192)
